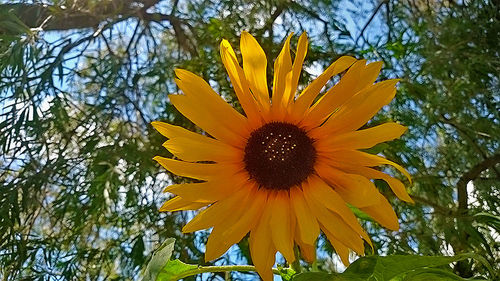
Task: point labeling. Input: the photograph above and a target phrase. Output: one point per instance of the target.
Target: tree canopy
(81, 80)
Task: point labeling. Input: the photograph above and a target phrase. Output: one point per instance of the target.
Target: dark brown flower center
(279, 155)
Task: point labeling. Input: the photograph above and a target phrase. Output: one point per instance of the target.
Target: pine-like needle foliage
(80, 81)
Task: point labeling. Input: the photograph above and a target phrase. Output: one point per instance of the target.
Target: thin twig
(370, 19)
(438, 208)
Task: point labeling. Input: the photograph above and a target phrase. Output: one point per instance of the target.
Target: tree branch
(268, 26)
(83, 15)
(177, 25)
(473, 141)
(473, 173)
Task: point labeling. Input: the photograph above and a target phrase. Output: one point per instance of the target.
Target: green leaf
(11, 24)
(173, 270)
(317, 276)
(396, 267)
(137, 252)
(360, 214)
(286, 273)
(488, 219)
(159, 260)
(377, 148)
(386, 268)
(161, 268)
(430, 274)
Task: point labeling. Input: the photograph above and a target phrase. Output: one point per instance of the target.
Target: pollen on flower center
(279, 155)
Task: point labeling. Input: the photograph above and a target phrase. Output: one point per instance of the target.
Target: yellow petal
(189, 149)
(337, 95)
(324, 194)
(195, 170)
(239, 81)
(360, 108)
(262, 248)
(293, 220)
(354, 189)
(172, 131)
(340, 248)
(397, 186)
(307, 225)
(217, 243)
(250, 217)
(210, 191)
(350, 158)
(176, 132)
(281, 231)
(308, 95)
(179, 204)
(282, 66)
(383, 214)
(255, 66)
(333, 223)
(207, 119)
(361, 139)
(369, 75)
(194, 86)
(282, 115)
(216, 212)
(300, 55)
(308, 252)
(235, 225)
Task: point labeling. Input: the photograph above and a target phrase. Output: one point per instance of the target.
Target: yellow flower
(290, 166)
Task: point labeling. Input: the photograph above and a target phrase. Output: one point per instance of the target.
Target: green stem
(296, 264)
(224, 268)
(314, 266)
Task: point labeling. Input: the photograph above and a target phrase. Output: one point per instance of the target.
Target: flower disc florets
(279, 155)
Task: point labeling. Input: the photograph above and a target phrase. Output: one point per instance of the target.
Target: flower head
(290, 166)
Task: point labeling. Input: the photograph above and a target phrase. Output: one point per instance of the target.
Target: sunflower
(288, 168)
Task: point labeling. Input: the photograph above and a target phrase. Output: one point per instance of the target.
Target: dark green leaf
(137, 252)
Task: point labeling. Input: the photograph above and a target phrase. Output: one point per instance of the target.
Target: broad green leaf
(386, 268)
(173, 270)
(159, 259)
(429, 274)
(396, 267)
(318, 276)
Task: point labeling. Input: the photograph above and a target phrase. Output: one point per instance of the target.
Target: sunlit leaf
(158, 260)
(173, 270)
